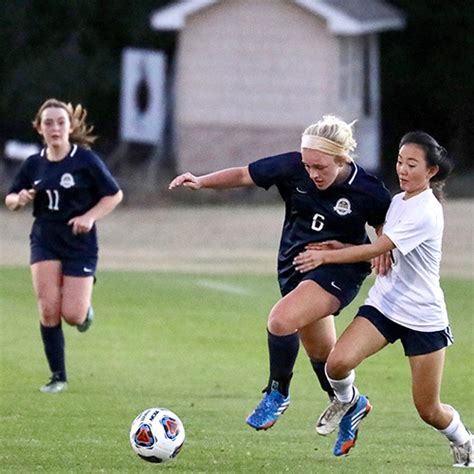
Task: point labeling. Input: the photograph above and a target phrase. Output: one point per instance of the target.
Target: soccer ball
(157, 435)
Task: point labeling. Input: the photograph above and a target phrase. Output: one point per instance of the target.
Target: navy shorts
(80, 267)
(341, 280)
(55, 241)
(413, 342)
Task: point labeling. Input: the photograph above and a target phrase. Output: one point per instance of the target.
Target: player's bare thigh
(76, 298)
(307, 303)
(47, 282)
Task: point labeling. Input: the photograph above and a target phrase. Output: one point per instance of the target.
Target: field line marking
(224, 287)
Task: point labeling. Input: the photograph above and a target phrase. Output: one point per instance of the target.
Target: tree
(71, 50)
(427, 76)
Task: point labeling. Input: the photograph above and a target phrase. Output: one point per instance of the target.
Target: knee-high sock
(456, 432)
(344, 389)
(318, 367)
(53, 341)
(283, 351)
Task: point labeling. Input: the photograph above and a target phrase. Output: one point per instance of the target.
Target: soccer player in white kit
(407, 303)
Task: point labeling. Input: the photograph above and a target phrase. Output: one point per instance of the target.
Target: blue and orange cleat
(349, 426)
(267, 412)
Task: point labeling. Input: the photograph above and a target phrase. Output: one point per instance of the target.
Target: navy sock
(318, 367)
(283, 351)
(53, 341)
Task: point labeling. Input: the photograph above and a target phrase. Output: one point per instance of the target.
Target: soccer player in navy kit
(327, 198)
(71, 188)
(406, 304)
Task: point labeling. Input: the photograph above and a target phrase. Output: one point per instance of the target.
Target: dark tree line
(69, 49)
(72, 49)
(428, 76)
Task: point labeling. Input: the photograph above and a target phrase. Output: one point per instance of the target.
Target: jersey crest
(67, 181)
(343, 207)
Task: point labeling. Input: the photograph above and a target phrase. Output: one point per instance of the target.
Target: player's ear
(433, 171)
(72, 127)
(38, 129)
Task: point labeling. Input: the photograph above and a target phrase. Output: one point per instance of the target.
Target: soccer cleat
(265, 415)
(84, 326)
(332, 415)
(349, 426)
(54, 385)
(463, 455)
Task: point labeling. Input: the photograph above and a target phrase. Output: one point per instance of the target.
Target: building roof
(343, 17)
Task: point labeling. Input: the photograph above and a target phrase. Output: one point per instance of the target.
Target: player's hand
(382, 264)
(81, 224)
(308, 260)
(327, 245)
(25, 196)
(187, 180)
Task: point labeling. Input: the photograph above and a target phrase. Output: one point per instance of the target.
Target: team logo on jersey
(67, 181)
(343, 207)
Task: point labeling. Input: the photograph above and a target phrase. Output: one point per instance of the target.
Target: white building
(250, 75)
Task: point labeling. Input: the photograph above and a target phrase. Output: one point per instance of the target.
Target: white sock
(456, 432)
(344, 389)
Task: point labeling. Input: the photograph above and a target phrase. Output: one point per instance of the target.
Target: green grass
(173, 340)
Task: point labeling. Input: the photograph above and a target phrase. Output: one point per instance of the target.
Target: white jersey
(410, 294)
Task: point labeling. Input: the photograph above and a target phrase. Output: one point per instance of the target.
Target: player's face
(413, 171)
(55, 126)
(321, 167)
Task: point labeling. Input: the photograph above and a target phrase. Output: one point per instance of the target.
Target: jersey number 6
(318, 222)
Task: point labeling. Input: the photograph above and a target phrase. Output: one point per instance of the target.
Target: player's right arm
(21, 191)
(383, 263)
(223, 179)
(15, 201)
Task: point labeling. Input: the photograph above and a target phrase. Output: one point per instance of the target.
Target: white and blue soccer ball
(157, 435)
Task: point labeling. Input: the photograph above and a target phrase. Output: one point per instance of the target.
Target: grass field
(196, 344)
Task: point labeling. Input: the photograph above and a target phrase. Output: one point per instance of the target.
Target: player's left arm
(327, 245)
(84, 223)
(310, 259)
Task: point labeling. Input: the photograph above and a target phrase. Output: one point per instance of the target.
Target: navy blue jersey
(66, 188)
(337, 213)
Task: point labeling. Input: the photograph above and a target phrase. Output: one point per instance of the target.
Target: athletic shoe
(330, 418)
(463, 455)
(83, 327)
(54, 385)
(265, 415)
(349, 426)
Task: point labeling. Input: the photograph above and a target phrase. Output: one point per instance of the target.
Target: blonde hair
(81, 132)
(337, 137)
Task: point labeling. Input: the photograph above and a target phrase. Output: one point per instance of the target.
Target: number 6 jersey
(339, 212)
